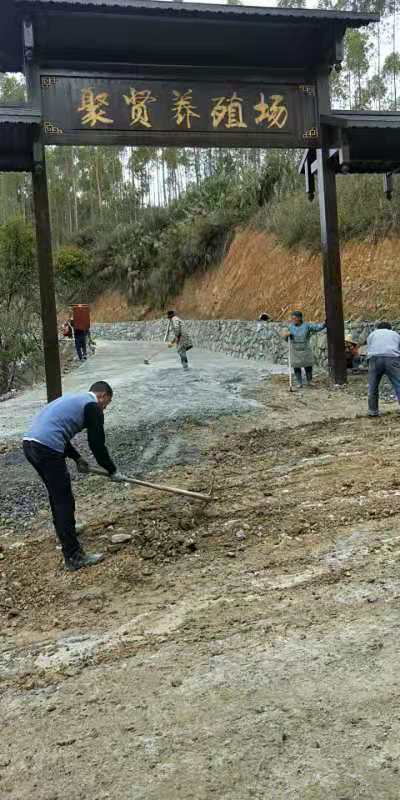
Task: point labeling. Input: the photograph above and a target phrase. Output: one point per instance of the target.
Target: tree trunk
(75, 197)
(98, 186)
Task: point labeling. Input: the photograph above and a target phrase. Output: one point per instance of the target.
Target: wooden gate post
(46, 275)
(331, 266)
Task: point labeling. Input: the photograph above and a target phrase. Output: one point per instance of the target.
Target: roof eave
(172, 8)
(362, 119)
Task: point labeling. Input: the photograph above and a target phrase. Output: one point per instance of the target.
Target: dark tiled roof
(363, 119)
(256, 36)
(210, 9)
(18, 125)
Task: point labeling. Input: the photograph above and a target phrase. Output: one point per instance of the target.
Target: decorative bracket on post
(309, 178)
(28, 40)
(339, 53)
(305, 169)
(388, 185)
(30, 67)
(344, 152)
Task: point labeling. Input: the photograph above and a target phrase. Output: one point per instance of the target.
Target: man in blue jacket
(383, 359)
(47, 445)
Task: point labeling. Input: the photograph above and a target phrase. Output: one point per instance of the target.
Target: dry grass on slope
(260, 274)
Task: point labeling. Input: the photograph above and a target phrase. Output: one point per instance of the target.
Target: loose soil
(243, 649)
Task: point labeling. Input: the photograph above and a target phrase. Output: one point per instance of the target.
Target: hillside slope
(259, 274)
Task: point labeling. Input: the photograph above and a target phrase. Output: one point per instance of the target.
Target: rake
(204, 498)
(159, 349)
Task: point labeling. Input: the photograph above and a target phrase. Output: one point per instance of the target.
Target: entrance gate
(144, 72)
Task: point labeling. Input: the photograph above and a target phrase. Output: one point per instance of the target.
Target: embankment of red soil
(259, 274)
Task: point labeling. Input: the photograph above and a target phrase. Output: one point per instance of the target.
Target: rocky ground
(247, 648)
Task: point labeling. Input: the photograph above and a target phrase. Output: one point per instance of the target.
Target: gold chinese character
(139, 111)
(184, 108)
(94, 106)
(229, 109)
(275, 113)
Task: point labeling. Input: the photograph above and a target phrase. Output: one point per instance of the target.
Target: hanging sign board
(122, 110)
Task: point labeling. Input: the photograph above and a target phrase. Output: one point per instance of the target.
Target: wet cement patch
(147, 422)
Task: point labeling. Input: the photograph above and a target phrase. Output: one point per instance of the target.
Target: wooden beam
(331, 266)
(46, 276)
(42, 221)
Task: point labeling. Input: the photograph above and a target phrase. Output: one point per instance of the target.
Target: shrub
(293, 220)
(71, 265)
(151, 257)
(363, 208)
(185, 248)
(19, 300)
(363, 211)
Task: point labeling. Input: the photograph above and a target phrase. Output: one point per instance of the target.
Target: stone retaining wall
(236, 337)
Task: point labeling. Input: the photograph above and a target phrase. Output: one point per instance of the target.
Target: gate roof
(18, 127)
(369, 140)
(359, 142)
(154, 32)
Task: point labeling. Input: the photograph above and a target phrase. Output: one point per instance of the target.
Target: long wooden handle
(156, 353)
(290, 364)
(205, 498)
(167, 333)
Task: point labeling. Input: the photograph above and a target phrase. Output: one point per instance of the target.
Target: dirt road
(244, 650)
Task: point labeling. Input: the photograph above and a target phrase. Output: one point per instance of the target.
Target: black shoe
(82, 559)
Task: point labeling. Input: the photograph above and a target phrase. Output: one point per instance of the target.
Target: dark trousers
(298, 376)
(80, 345)
(378, 366)
(184, 359)
(52, 469)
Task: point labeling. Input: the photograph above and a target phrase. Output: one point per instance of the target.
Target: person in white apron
(298, 335)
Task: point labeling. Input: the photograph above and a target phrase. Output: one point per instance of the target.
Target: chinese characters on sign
(228, 110)
(276, 113)
(139, 112)
(225, 112)
(121, 109)
(93, 108)
(184, 108)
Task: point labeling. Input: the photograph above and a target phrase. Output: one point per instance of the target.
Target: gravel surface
(146, 421)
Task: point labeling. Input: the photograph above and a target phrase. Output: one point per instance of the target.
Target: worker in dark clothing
(80, 343)
(47, 445)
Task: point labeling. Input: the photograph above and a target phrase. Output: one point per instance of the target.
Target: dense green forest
(144, 218)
